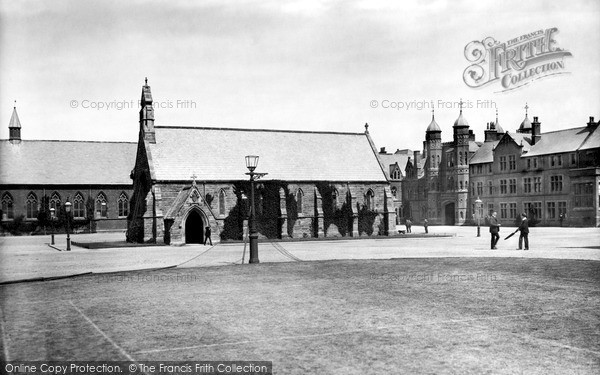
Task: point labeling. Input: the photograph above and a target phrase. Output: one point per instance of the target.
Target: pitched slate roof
(485, 152)
(66, 162)
(566, 141)
(218, 154)
(391, 159)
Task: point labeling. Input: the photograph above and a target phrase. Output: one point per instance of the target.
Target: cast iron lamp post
(251, 163)
(478, 203)
(68, 211)
(52, 213)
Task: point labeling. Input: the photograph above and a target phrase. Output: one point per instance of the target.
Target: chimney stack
(592, 123)
(536, 133)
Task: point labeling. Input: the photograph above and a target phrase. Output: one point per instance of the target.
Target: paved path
(31, 257)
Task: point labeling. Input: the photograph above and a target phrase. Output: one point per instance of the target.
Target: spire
(14, 126)
(147, 113)
(498, 127)
(461, 121)
(526, 124)
(433, 126)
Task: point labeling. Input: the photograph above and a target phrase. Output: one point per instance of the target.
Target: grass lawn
(436, 315)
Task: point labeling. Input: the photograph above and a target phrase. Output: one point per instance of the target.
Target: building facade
(553, 177)
(190, 178)
(39, 175)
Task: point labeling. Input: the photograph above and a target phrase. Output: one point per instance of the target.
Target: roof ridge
(256, 130)
(563, 130)
(67, 140)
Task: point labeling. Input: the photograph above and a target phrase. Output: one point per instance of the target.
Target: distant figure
(207, 236)
(524, 229)
(408, 226)
(561, 217)
(425, 224)
(494, 229)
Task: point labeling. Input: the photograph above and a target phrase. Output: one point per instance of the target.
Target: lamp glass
(251, 161)
(68, 206)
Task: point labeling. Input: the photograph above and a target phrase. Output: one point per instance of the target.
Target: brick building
(36, 175)
(550, 175)
(319, 184)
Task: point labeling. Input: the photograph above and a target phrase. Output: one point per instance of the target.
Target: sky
(76, 67)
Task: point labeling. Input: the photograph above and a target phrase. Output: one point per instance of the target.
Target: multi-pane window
(502, 163)
(32, 206)
(473, 188)
(123, 205)
(479, 188)
(503, 211)
(551, 210)
(490, 168)
(490, 187)
(573, 159)
(512, 162)
(299, 205)
(537, 184)
(556, 160)
(490, 207)
(512, 185)
(535, 162)
(528, 163)
(584, 194)
(503, 189)
(396, 174)
(537, 206)
(7, 207)
(556, 184)
(222, 202)
(101, 205)
(55, 202)
(78, 206)
(512, 207)
(527, 185)
(562, 208)
(479, 169)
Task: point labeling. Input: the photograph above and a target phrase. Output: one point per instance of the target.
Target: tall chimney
(536, 133)
(592, 123)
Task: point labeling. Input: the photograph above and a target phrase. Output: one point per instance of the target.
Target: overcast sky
(304, 65)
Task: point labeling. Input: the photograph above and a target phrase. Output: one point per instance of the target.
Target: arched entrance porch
(194, 227)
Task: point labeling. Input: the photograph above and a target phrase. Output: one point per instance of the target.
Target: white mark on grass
(368, 330)
(3, 334)
(102, 333)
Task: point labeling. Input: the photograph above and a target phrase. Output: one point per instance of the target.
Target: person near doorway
(207, 234)
(408, 226)
(425, 225)
(494, 229)
(524, 229)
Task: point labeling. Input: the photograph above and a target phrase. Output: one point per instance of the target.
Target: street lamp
(68, 211)
(52, 215)
(251, 164)
(478, 203)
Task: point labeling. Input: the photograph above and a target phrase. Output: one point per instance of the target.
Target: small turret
(147, 114)
(14, 127)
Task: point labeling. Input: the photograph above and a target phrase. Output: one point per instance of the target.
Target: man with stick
(524, 229)
(494, 229)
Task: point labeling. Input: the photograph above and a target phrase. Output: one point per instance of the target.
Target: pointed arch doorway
(450, 215)
(194, 228)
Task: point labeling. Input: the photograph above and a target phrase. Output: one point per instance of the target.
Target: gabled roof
(397, 158)
(485, 152)
(66, 162)
(218, 154)
(567, 140)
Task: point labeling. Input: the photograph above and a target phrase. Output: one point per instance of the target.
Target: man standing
(207, 234)
(494, 229)
(524, 229)
(408, 225)
(425, 224)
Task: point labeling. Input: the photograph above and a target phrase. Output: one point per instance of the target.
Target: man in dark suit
(207, 237)
(494, 229)
(524, 229)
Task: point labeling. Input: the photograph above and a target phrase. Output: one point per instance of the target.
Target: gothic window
(222, 202)
(460, 159)
(123, 203)
(101, 205)
(55, 202)
(299, 195)
(7, 207)
(32, 206)
(370, 200)
(78, 206)
(438, 161)
(334, 198)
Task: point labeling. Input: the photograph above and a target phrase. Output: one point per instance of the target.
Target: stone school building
(319, 184)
